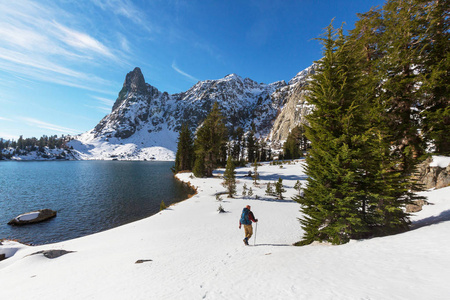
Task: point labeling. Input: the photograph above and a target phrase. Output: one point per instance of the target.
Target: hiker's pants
(248, 231)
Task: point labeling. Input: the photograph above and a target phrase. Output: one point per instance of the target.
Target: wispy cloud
(124, 43)
(4, 119)
(178, 70)
(37, 42)
(81, 41)
(127, 9)
(45, 125)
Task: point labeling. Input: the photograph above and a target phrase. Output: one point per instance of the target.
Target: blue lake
(89, 196)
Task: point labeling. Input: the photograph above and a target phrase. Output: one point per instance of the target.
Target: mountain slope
(144, 121)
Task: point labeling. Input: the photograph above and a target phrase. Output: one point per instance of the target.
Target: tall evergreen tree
(400, 67)
(184, 158)
(199, 165)
(229, 178)
(385, 188)
(436, 77)
(251, 146)
(237, 143)
(340, 202)
(291, 147)
(211, 137)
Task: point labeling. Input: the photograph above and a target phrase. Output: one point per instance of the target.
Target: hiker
(246, 219)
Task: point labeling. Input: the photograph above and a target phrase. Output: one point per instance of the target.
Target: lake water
(89, 196)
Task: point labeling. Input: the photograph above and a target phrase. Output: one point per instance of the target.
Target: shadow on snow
(442, 217)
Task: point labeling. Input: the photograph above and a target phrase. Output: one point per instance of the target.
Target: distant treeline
(33, 144)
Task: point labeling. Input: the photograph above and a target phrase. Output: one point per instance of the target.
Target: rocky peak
(302, 75)
(135, 82)
(233, 76)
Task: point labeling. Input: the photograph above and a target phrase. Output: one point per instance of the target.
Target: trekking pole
(256, 229)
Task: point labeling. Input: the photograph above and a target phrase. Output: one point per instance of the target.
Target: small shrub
(162, 206)
(220, 209)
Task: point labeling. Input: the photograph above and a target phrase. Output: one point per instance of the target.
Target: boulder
(33, 217)
(415, 206)
(431, 176)
(443, 178)
(51, 254)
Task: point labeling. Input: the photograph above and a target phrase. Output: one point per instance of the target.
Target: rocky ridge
(145, 117)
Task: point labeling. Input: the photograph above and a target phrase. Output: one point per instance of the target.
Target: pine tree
(251, 146)
(331, 200)
(291, 147)
(255, 175)
(436, 74)
(237, 143)
(355, 188)
(399, 67)
(385, 188)
(298, 187)
(184, 158)
(244, 190)
(199, 165)
(229, 178)
(250, 192)
(211, 137)
(279, 190)
(269, 189)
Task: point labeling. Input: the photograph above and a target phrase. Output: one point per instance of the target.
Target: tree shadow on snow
(442, 217)
(271, 176)
(286, 200)
(276, 245)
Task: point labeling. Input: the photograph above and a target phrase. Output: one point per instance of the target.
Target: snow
(440, 161)
(197, 253)
(28, 216)
(159, 145)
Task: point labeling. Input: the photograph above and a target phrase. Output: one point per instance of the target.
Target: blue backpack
(245, 220)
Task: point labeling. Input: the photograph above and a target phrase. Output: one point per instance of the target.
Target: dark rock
(44, 214)
(2, 257)
(140, 261)
(52, 253)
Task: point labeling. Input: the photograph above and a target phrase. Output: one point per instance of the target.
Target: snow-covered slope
(144, 122)
(190, 251)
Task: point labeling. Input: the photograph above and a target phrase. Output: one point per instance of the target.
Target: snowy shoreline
(190, 251)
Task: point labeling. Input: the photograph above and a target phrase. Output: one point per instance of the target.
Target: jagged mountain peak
(134, 81)
(233, 76)
(302, 75)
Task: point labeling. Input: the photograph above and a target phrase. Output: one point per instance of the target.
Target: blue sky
(63, 63)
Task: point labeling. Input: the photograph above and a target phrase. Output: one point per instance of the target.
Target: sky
(63, 62)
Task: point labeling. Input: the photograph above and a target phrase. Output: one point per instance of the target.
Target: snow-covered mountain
(144, 122)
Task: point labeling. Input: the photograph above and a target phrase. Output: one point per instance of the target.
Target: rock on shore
(33, 217)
